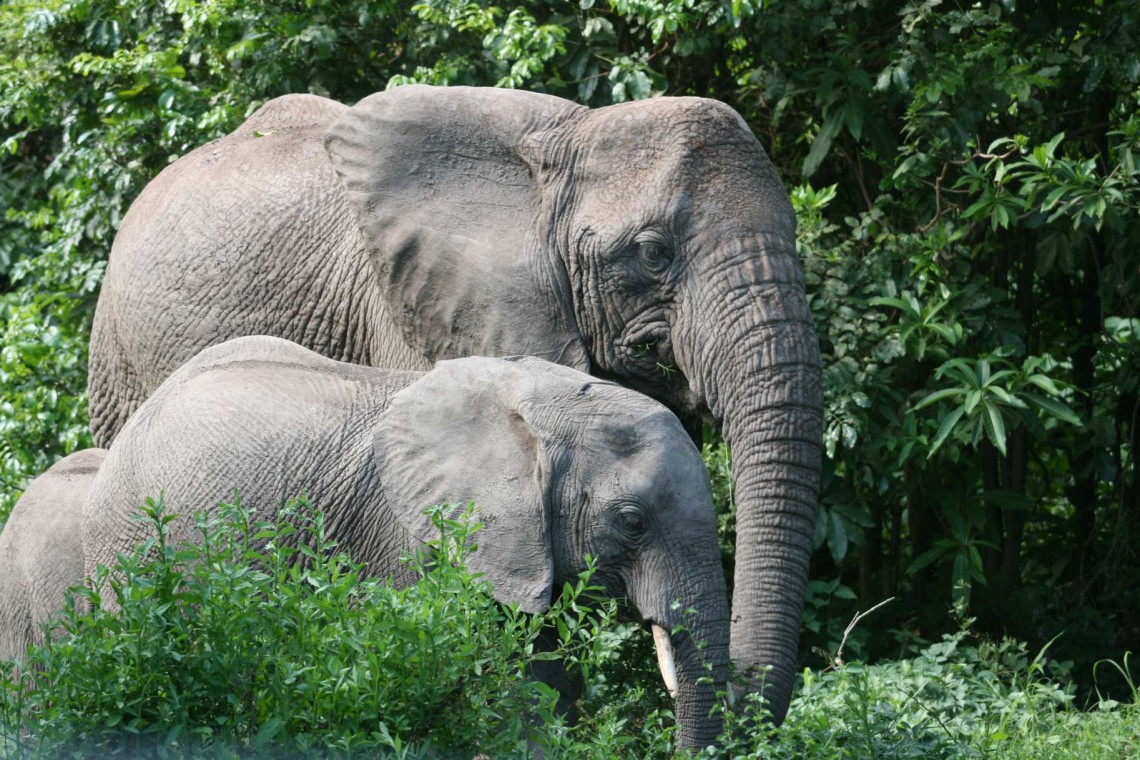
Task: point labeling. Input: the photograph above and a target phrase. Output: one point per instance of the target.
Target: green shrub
(261, 640)
(957, 698)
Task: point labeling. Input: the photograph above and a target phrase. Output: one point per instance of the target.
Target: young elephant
(41, 552)
(560, 465)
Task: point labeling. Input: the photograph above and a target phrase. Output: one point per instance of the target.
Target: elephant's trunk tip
(665, 660)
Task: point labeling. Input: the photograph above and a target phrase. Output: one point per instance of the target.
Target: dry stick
(837, 660)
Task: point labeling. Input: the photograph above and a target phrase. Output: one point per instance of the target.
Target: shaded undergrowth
(262, 641)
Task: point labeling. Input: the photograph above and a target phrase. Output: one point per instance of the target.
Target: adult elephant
(648, 242)
(577, 467)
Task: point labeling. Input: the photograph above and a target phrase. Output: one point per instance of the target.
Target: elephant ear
(471, 430)
(450, 211)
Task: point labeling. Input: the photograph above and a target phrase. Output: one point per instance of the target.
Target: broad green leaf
(1054, 407)
(927, 558)
(995, 425)
(939, 395)
(898, 303)
(1005, 397)
(837, 537)
(945, 429)
(1045, 383)
(977, 569)
(853, 514)
(961, 369)
(996, 376)
(853, 116)
(821, 145)
(960, 586)
(948, 333)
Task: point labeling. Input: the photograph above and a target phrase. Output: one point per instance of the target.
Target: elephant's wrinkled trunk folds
(757, 363)
(697, 655)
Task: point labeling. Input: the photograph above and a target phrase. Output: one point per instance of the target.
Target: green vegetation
(966, 180)
(261, 641)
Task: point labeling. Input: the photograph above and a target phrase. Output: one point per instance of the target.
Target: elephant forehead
(664, 133)
(644, 449)
(670, 119)
(694, 159)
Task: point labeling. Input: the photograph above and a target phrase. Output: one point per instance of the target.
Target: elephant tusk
(665, 661)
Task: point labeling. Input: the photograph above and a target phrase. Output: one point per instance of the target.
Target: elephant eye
(633, 521)
(654, 256)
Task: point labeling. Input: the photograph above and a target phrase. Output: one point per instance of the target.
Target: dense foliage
(260, 641)
(967, 186)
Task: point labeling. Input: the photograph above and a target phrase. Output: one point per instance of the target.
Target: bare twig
(1002, 156)
(838, 659)
(937, 200)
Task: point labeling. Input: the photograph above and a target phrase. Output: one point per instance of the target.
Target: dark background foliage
(965, 176)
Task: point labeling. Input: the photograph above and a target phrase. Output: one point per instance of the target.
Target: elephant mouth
(646, 354)
(647, 345)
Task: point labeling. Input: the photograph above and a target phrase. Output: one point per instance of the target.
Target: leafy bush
(261, 641)
(958, 698)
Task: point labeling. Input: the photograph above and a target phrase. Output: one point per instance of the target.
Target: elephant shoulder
(299, 111)
(284, 134)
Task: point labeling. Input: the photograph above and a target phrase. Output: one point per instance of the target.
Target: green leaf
(842, 592)
(961, 571)
(946, 331)
(939, 395)
(853, 116)
(854, 514)
(945, 429)
(268, 730)
(837, 537)
(1045, 383)
(995, 425)
(821, 145)
(1004, 396)
(897, 303)
(927, 558)
(1054, 407)
(961, 369)
(980, 205)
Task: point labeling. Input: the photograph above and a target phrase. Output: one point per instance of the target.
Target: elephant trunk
(693, 657)
(760, 376)
(776, 485)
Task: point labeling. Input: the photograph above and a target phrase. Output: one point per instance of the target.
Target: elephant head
(561, 466)
(651, 243)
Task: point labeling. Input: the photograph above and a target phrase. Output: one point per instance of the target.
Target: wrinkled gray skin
(559, 463)
(41, 553)
(650, 243)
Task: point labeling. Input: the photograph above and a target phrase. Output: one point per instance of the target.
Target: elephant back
(248, 235)
(259, 416)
